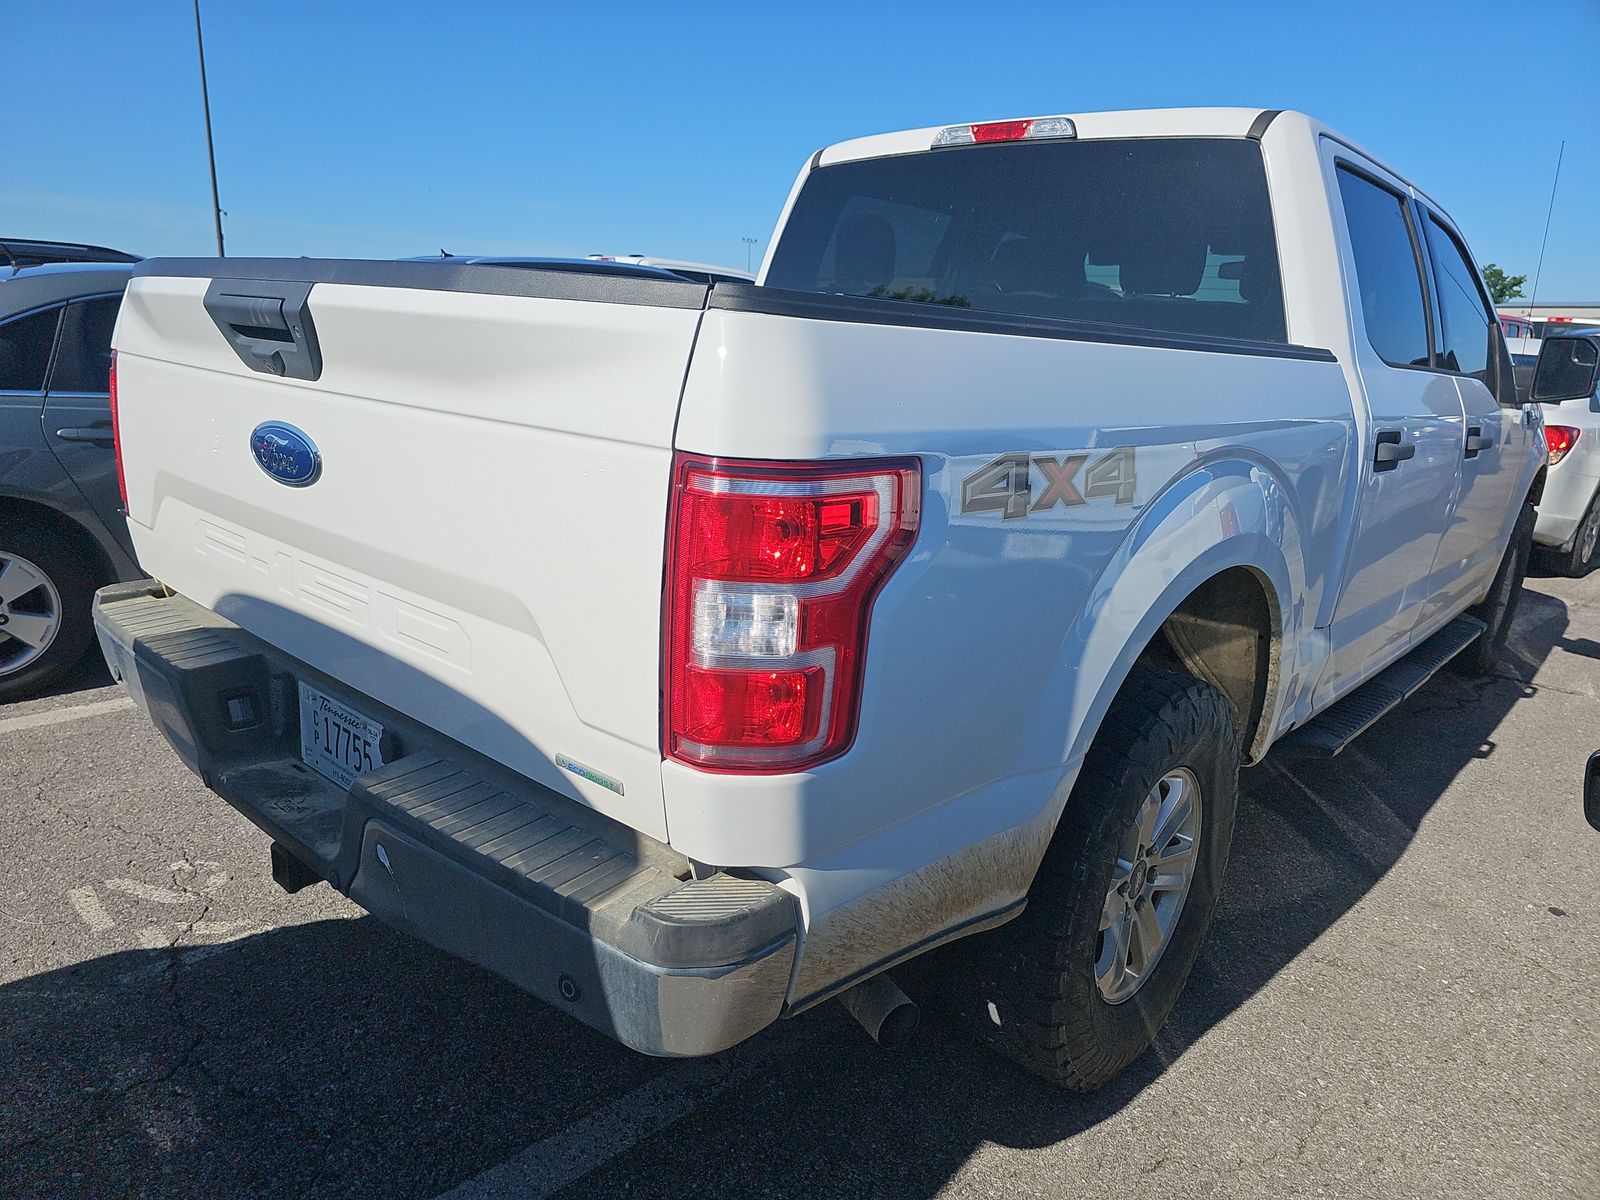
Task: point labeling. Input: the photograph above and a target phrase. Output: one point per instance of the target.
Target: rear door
(77, 407)
(1412, 443)
(25, 344)
(1497, 444)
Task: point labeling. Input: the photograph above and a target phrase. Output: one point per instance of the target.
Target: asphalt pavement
(1400, 998)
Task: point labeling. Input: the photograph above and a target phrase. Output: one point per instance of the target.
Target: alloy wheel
(30, 612)
(1155, 865)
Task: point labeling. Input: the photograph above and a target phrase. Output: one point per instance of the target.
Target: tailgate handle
(268, 324)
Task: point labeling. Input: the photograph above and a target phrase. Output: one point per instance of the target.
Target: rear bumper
(1568, 491)
(585, 913)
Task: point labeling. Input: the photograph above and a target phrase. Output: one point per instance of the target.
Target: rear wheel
(1499, 608)
(1079, 985)
(45, 592)
(1578, 561)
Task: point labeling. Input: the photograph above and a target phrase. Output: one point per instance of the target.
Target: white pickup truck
(690, 655)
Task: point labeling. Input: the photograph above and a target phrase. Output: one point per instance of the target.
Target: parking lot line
(88, 907)
(546, 1167)
(145, 891)
(60, 716)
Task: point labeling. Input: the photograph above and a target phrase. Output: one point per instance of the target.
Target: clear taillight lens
(772, 571)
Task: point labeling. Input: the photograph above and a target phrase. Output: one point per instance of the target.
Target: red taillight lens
(1001, 131)
(772, 571)
(1559, 439)
(116, 436)
(1006, 131)
(751, 708)
(786, 538)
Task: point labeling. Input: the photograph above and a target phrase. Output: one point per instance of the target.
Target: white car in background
(699, 272)
(1568, 525)
(1524, 353)
(636, 265)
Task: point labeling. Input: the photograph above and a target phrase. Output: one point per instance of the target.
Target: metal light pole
(749, 243)
(211, 154)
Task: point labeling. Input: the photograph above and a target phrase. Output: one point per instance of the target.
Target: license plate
(335, 739)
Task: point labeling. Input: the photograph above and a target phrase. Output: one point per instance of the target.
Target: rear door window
(1388, 271)
(1468, 327)
(1168, 234)
(25, 350)
(83, 364)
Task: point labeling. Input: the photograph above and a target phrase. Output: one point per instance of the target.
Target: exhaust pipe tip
(887, 1014)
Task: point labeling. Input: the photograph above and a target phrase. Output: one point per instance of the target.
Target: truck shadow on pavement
(340, 1058)
(88, 675)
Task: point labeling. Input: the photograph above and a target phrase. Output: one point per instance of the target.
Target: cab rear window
(1170, 234)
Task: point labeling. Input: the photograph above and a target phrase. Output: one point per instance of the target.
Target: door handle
(99, 433)
(1391, 451)
(1477, 442)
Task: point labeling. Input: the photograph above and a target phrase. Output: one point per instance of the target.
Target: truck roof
(1128, 123)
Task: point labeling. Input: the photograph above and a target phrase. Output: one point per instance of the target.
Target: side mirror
(1566, 371)
(1591, 790)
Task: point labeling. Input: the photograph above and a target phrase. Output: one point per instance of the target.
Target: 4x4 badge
(1006, 484)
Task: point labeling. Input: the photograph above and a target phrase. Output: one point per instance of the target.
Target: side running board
(1331, 731)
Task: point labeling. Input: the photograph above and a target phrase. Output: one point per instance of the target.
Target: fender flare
(1233, 511)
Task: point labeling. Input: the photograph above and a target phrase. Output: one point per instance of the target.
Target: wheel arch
(1536, 488)
(1227, 633)
(23, 509)
(1212, 578)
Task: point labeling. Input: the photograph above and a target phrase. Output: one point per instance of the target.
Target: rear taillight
(116, 435)
(771, 573)
(1560, 439)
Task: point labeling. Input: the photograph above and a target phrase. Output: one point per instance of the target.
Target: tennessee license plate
(335, 739)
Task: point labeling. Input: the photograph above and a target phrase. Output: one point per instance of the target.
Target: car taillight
(116, 435)
(771, 573)
(1560, 439)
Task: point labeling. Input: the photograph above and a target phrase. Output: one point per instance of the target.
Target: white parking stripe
(546, 1167)
(60, 716)
(217, 929)
(187, 957)
(90, 909)
(144, 891)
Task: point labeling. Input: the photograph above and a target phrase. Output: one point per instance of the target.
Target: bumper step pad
(579, 909)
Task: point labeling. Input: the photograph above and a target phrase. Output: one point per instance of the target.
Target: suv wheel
(45, 626)
(1579, 560)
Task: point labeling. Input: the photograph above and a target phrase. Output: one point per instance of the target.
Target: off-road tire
(1037, 973)
(1499, 608)
(61, 559)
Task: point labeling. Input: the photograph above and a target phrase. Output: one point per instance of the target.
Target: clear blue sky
(364, 129)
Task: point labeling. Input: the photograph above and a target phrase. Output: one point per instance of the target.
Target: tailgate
(482, 546)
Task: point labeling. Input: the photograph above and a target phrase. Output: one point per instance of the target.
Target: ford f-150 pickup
(690, 655)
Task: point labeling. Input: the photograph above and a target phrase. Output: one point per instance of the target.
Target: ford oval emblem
(285, 453)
